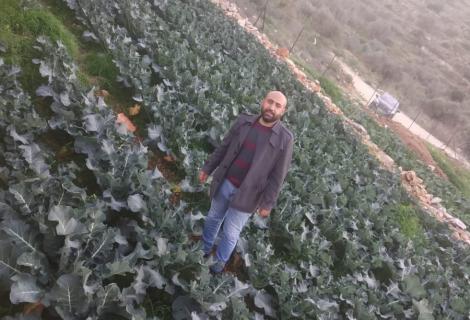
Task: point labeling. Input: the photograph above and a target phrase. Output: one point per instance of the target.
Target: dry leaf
(168, 158)
(101, 93)
(176, 189)
(134, 110)
(121, 118)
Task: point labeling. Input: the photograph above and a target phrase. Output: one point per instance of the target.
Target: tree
(325, 24)
(456, 95)
(435, 6)
(445, 112)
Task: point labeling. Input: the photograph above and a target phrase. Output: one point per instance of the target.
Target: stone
(458, 223)
(282, 52)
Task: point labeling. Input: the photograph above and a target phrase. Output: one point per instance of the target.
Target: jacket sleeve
(276, 178)
(216, 157)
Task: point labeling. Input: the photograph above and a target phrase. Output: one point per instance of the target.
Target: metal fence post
(297, 39)
(328, 66)
(262, 13)
(414, 120)
(451, 138)
(375, 91)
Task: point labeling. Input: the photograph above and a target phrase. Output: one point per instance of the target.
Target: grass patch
(19, 28)
(327, 85)
(332, 90)
(60, 9)
(101, 65)
(458, 176)
(307, 69)
(95, 63)
(406, 217)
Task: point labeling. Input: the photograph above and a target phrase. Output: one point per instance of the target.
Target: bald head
(278, 97)
(273, 107)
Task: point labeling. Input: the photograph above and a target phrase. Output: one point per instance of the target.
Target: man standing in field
(252, 162)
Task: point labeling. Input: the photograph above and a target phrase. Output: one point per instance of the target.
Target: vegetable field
(96, 235)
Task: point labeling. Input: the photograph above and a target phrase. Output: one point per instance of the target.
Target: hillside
(418, 50)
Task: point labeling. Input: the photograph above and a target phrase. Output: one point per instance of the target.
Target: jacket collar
(253, 118)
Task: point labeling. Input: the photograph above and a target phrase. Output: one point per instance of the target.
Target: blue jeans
(233, 219)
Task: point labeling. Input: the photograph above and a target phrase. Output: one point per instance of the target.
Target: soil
(164, 164)
(417, 146)
(414, 143)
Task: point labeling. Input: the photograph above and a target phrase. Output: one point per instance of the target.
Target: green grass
(408, 222)
(458, 176)
(19, 29)
(95, 64)
(327, 85)
(332, 90)
(60, 9)
(101, 65)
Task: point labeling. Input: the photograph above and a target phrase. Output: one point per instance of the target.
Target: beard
(269, 117)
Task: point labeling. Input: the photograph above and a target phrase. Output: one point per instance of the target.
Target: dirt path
(410, 181)
(364, 92)
(414, 143)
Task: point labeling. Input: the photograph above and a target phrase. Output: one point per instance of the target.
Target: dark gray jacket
(271, 161)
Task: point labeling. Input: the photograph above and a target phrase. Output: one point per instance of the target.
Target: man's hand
(202, 176)
(264, 213)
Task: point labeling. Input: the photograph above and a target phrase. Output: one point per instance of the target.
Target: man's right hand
(202, 176)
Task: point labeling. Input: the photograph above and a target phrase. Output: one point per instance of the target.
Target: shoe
(209, 254)
(217, 267)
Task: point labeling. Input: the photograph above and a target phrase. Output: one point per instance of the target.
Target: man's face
(273, 107)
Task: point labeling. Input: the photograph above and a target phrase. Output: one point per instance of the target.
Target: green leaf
(412, 286)
(155, 278)
(8, 262)
(33, 260)
(108, 298)
(68, 296)
(17, 137)
(118, 267)
(45, 91)
(135, 202)
(182, 308)
(265, 301)
(25, 289)
(179, 282)
(23, 197)
(21, 234)
(93, 122)
(459, 304)
(66, 223)
(424, 311)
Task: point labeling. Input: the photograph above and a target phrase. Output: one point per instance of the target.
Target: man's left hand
(264, 212)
